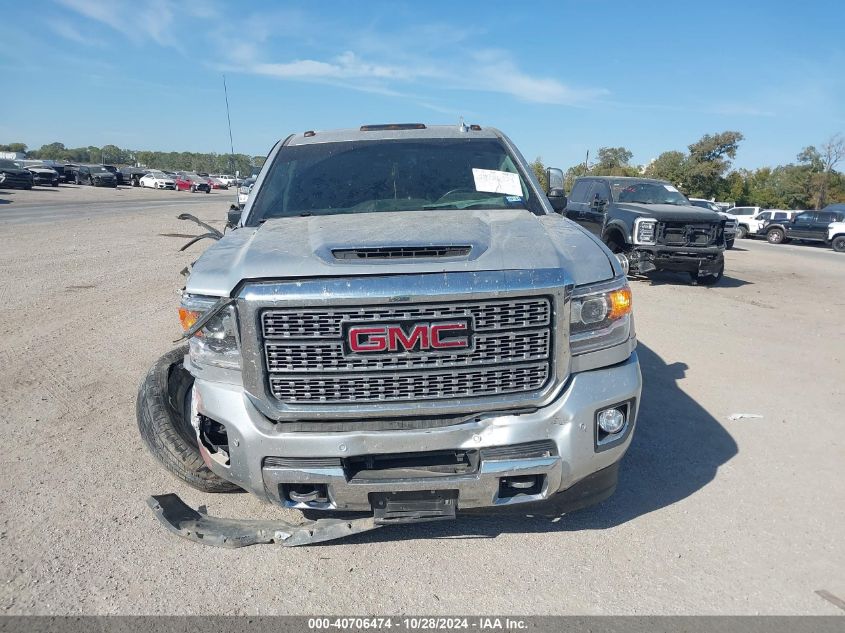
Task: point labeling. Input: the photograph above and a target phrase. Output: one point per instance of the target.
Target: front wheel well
(614, 237)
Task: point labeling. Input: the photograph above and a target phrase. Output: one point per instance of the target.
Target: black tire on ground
(163, 416)
(775, 236)
(729, 244)
(741, 232)
(27, 187)
(838, 243)
(55, 184)
(208, 190)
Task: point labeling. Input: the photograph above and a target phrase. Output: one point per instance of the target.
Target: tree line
(704, 171)
(208, 162)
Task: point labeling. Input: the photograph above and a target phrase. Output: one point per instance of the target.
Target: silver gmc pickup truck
(397, 323)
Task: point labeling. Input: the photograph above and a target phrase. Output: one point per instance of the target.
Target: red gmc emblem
(374, 338)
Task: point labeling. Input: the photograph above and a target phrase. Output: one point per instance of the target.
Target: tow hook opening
(510, 487)
(214, 438)
(305, 493)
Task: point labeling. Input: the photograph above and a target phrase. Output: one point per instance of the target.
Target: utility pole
(586, 162)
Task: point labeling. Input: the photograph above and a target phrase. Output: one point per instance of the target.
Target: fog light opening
(612, 424)
(215, 439)
(611, 421)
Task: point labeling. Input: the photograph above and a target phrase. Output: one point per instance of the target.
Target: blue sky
(559, 77)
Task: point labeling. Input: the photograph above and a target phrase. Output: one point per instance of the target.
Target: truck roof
(380, 133)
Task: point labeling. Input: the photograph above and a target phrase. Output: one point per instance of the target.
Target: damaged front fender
(184, 521)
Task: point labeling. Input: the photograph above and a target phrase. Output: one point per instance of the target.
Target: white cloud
(150, 20)
(71, 33)
(495, 71)
(488, 71)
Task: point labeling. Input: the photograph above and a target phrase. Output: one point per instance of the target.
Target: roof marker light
(392, 126)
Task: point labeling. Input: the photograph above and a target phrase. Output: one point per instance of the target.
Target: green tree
(540, 172)
(669, 166)
(708, 161)
(13, 147)
(832, 153)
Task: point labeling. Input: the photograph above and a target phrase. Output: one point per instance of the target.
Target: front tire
(741, 232)
(163, 416)
(838, 244)
(729, 244)
(776, 236)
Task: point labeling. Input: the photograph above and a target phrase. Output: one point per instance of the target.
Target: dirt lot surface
(712, 515)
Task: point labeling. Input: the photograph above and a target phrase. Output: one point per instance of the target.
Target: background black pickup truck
(651, 224)
(809, 226)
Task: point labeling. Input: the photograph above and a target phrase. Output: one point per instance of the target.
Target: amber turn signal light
(188, 317)
(620, 303)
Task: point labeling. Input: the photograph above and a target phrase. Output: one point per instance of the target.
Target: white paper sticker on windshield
(493, 181)
(670, 188)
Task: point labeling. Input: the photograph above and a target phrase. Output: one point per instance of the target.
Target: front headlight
(645, 231)
(600, 316)
(217, 342)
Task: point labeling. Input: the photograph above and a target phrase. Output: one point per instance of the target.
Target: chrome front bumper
(568, 423)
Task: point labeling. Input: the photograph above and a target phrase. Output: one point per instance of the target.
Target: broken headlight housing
(645, 231)
(216, 343)
(600, 316)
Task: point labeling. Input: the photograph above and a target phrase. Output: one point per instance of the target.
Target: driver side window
(600, 191)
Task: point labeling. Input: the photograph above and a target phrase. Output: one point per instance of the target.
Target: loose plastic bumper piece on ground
(190, 524)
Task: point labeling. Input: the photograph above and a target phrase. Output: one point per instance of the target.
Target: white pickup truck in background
(751, 219)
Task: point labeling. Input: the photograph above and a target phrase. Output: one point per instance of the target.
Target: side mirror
(554, 179)
(233, 217)
(558, 200)
(554, 189)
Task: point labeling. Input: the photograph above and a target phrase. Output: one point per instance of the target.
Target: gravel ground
(712, 516)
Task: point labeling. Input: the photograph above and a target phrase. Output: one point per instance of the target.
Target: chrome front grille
(490, 349)
(306, 362)
(311, 323)
(408, 386)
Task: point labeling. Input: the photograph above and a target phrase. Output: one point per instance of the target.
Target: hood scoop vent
(401, 252)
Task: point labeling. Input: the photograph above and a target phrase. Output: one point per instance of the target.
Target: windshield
(157, 174)
(395, 175)
(99, 170)
(647, 192)
(705, 204)
(8, 164)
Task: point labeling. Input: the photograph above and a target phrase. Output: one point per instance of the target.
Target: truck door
(818, 230)
(576, 208)
(802, 226)
(597, 210)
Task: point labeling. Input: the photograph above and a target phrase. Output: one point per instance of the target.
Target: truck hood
(671, 212)
(301, 247)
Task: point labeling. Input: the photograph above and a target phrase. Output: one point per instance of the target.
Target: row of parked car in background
(588, 204)
(25, 174)
(779, 226)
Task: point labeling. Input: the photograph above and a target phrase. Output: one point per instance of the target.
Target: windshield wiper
(468, 204)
